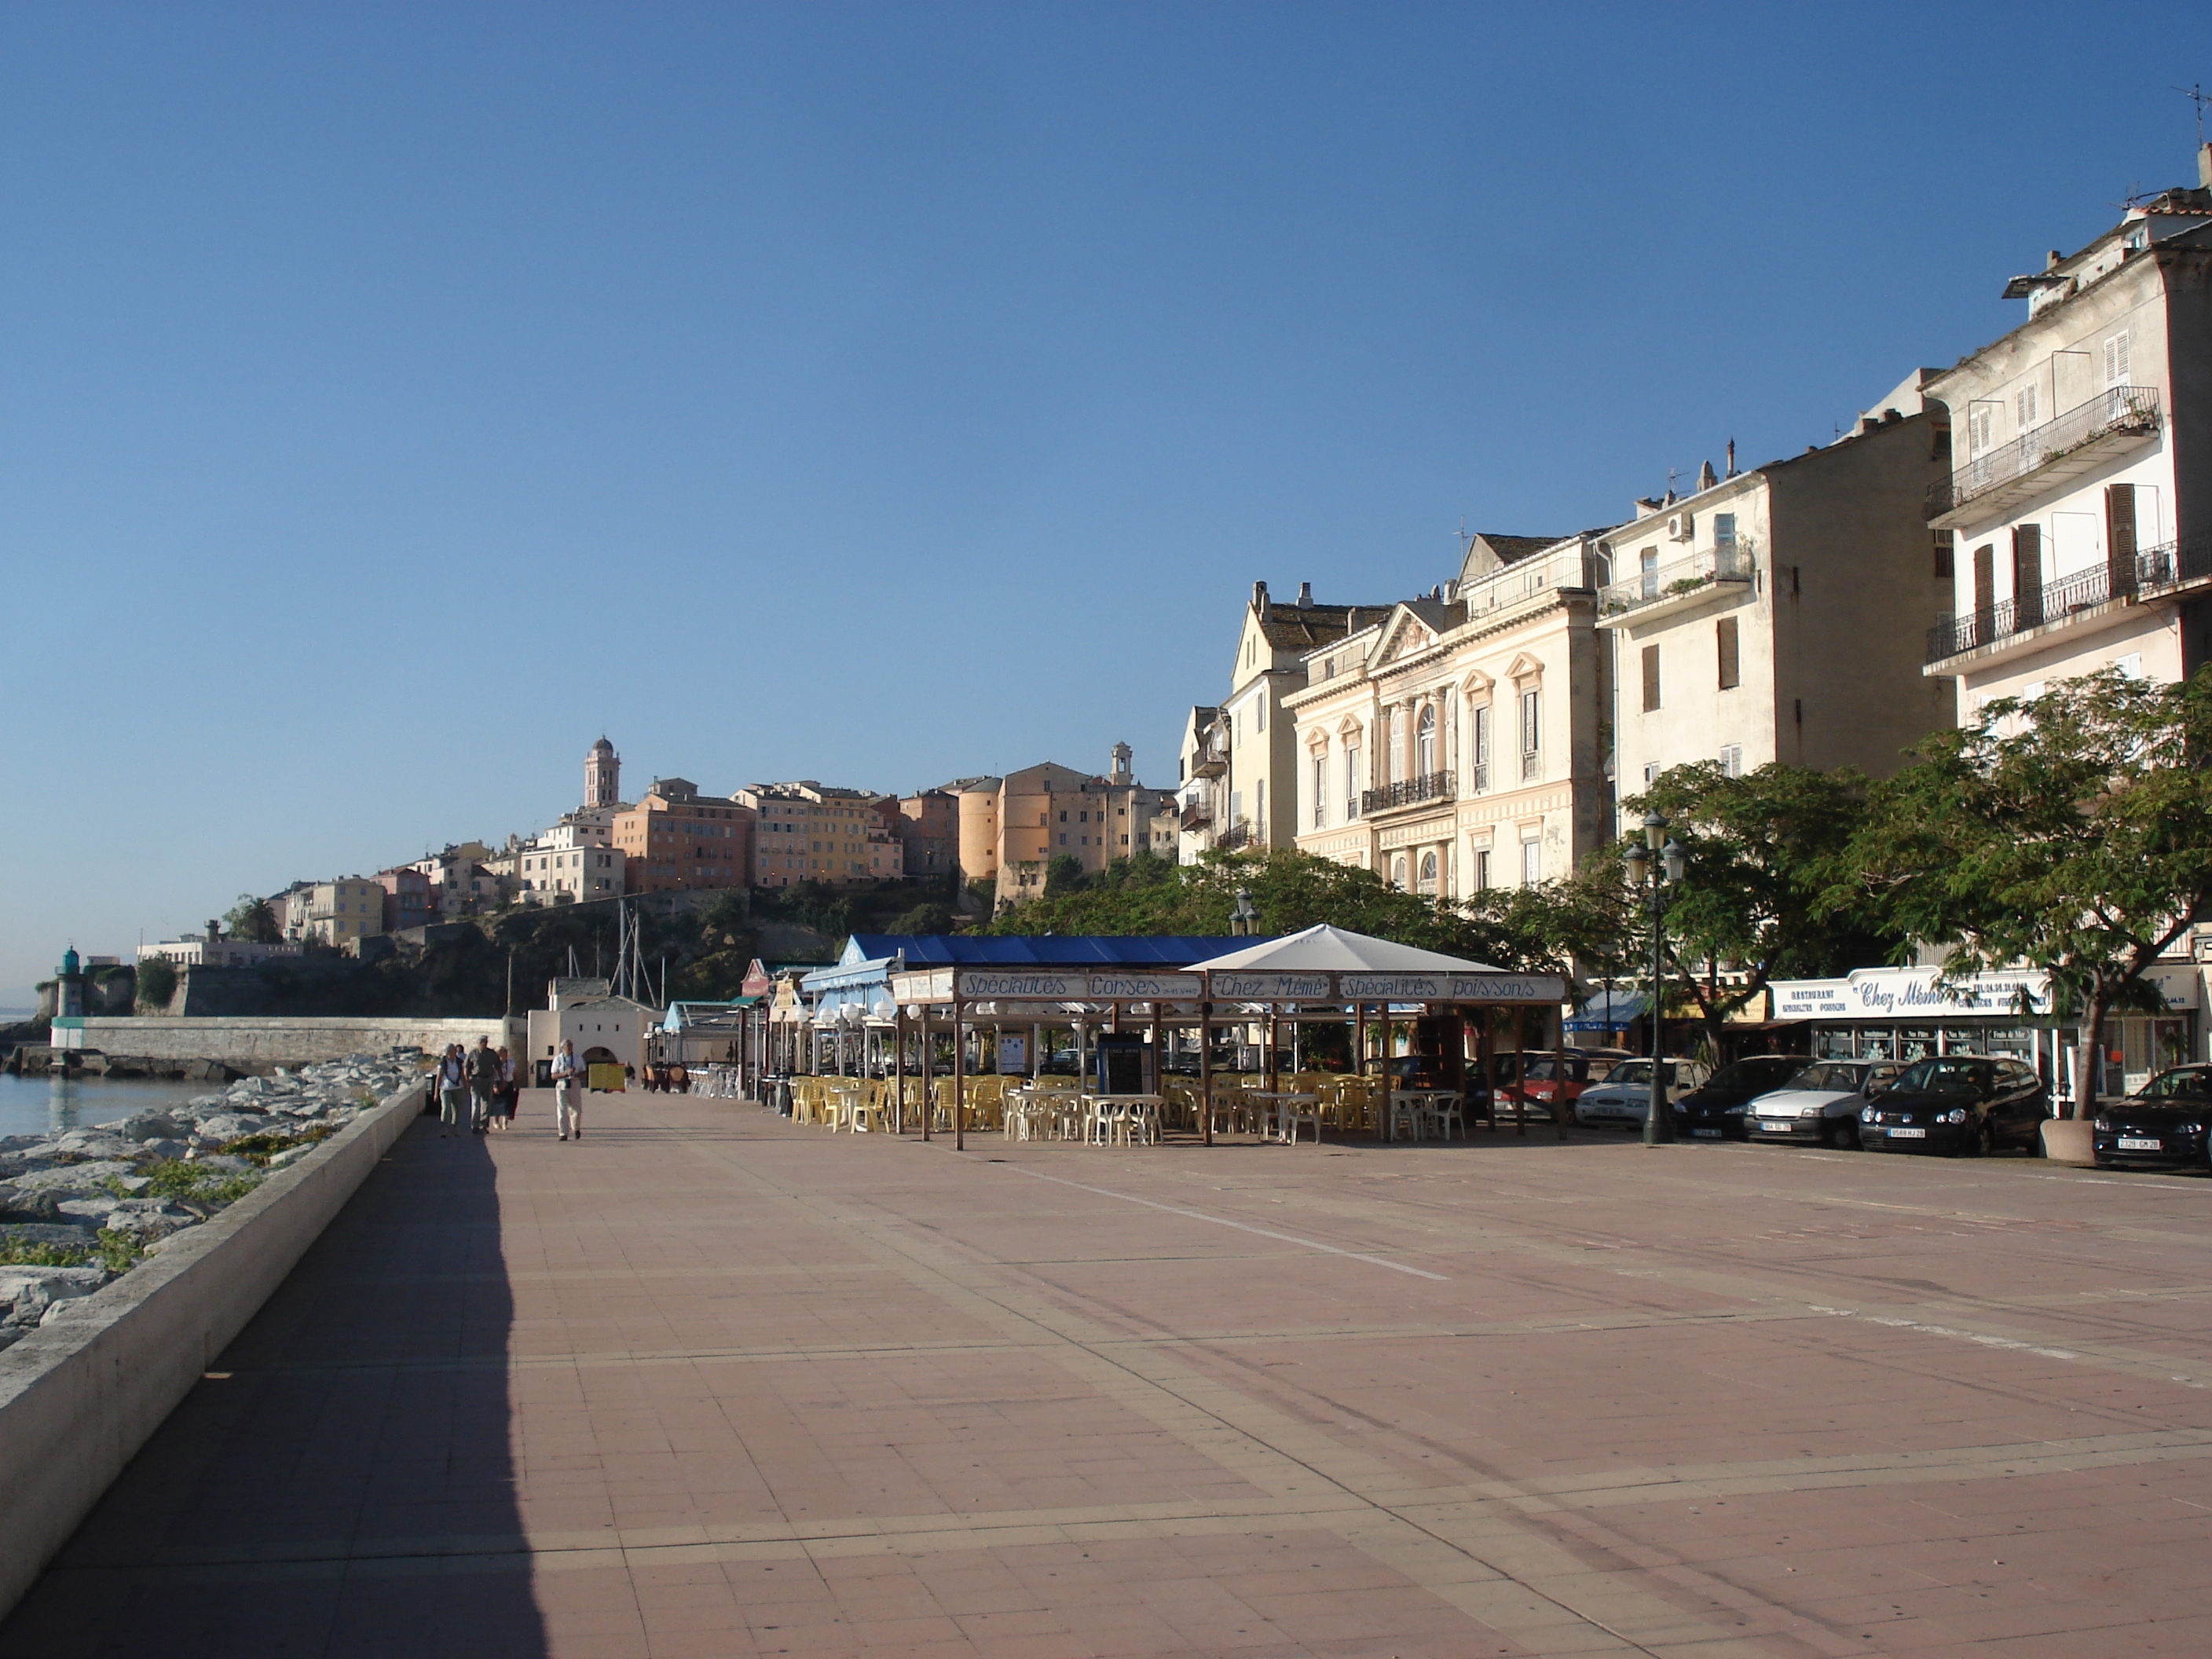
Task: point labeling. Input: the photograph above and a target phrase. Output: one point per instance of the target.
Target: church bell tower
(601, 775)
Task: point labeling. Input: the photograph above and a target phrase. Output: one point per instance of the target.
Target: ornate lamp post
(1242, 918)
(1656, 868)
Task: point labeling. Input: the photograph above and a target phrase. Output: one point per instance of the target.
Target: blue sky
(393, 398)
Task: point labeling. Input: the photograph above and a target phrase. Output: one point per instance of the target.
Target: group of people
(478, 1090)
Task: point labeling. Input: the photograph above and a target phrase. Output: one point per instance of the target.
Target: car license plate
(1908, 1134)
(2137, 1144)
(1707, 1134)
(1772, 1128)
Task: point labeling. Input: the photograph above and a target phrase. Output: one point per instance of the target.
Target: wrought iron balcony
(1436, 786)
(1667, 587)
(1237, 835)
(1197, 815)
(2045, 455)
(2156, 570)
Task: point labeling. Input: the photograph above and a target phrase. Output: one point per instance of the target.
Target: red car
(1542, 1087)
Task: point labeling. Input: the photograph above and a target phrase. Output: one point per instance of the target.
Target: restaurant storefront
(1910, 1013)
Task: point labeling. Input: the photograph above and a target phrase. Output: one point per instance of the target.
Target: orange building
(677, 840)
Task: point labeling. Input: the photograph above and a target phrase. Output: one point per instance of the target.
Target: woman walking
(452, 1091)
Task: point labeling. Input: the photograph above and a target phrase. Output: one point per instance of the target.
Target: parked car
(1541, 1088)
(2161, 1126)
(1959, 1104)
(1621, 1101)
(1821, 1104)
(1714, 1110)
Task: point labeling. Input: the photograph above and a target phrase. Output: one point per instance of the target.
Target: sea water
(39, 1105)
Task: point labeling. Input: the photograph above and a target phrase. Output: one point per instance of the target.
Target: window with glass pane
(1481, 757)
(1351, 783)
(1425, 743)
(1320, 790)
(1530, 735)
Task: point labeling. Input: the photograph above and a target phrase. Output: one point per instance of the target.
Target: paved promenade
(705, 1383)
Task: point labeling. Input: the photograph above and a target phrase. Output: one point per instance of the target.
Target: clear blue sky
(395, 397)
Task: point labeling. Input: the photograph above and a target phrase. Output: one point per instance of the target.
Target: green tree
(1759, 898)
(157, 981)
(254, 919)
(1063, 874)
(2071, 831)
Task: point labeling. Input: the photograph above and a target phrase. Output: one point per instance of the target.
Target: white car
(1820, 1104)
(1621, 1101)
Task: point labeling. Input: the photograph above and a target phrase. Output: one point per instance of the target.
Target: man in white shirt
(567, 1091)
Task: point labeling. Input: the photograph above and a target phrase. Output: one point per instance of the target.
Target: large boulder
(143, 1127)
(75, 1178)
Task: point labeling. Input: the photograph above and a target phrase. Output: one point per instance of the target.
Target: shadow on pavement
(341, 1482)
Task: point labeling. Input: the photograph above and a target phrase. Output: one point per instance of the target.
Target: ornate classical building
(1452, 743)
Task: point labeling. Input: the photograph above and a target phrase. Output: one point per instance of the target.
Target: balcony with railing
(1526, 582)
(1208, 764)
(1237, 835)
(2045, 456)
(1409, 792)
(2156, 573)
(1675, 586)
(1197, 814)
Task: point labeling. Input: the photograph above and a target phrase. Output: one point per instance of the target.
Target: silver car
(1621, 1101)
(1820, 1104)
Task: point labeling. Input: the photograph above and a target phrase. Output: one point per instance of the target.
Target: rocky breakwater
(80, 1208)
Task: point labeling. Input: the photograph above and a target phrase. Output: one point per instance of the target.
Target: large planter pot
(2068, 1140)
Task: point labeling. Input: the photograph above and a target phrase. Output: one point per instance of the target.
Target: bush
(157, 981)
(172, 1177)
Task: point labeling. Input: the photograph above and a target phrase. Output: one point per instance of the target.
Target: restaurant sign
(1451, 987)
(1882, 993)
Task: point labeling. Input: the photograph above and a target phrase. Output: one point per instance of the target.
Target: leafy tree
(923, 919)
(2072, 831)
(1063, 873)
(157, 981)
(1762, 852)
(254, 919)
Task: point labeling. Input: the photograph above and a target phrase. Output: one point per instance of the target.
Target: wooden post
(1159, 1081)
(928, 1088)
(1205, 1057)
(1520, 1070)
(1386, 1073)
(959, 1081)
(1560, 1109)
(898, 1069)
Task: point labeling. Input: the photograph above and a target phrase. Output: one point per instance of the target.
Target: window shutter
(1730, 667)
(1650, 677)
(2120, 538)
(2027, 575)
(1986, 578)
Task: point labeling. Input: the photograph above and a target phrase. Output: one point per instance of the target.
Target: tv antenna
(2197, 95)
(1462, 530)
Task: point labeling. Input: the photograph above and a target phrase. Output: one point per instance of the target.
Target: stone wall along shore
(255, 1044)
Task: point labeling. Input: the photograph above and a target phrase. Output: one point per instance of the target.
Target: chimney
(2050, 259)
(1731, 458)
(1305, 594)
(1260, 598)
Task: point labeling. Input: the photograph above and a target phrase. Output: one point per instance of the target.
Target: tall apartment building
(677, 840)
(340, 911)
(1777, 614)
(808, 831)
(2078, 506)
(1047, 810)
(928, 830)
(576, 857)
(1238, 779)
(406, 897)
(1452, 743)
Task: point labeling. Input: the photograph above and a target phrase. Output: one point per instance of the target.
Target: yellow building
(340, 910)
(808, 831)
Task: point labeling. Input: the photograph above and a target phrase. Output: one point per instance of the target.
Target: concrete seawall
(80, 1396)
(256, 1043)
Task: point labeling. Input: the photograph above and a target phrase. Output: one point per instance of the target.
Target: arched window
(1398, 871)
(1425, 740)
(1429, 874)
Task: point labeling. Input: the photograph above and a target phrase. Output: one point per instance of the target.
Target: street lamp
(1242, 918)
(1656, 868)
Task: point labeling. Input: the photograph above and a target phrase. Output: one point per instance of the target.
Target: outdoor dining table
(1282, 1104)
(1420, 1101)
(1106, 1109)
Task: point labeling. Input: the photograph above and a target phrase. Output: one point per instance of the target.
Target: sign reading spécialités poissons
(1910, 994)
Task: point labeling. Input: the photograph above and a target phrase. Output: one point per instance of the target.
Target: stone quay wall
(253, 1044)
(84, 1392)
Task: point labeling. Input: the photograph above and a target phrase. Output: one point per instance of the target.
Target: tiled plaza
(706, 1384)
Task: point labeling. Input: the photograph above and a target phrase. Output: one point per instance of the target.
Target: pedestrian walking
(510, 1091)
(567, 1109)
(452, 1091)
(483, 1085)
